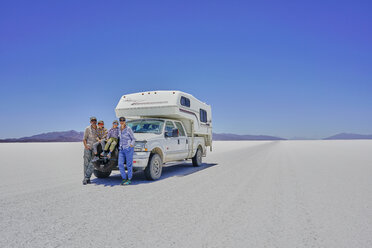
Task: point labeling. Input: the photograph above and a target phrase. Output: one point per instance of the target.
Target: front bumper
(140, 160)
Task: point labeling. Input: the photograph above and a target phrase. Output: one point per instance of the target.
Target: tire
(154, 167)
(197, 159)
(101, 174)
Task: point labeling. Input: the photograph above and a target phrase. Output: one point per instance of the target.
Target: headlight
(140, 146)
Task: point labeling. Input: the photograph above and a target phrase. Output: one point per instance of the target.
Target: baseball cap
(92, 118)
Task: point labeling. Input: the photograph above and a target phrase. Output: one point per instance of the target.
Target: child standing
(112, 139)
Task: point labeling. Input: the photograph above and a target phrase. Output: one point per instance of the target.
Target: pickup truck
(158, 142)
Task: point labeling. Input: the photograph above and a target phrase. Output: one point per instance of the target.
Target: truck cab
(165, 138)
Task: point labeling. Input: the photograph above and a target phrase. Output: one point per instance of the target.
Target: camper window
(185, 101)
(180, 128)
(203, 116)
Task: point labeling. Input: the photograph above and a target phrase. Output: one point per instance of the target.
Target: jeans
(88, 166)
(103, 142)
(126, 155)
(111, 143)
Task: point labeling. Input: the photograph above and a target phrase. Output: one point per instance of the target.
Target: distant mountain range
(349, 136)
(66, 136)
(74, 136)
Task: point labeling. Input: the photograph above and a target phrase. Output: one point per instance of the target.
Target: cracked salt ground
(247, 194)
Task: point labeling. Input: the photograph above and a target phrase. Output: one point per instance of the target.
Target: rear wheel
(154, 167)
(101, 174)
(197, 159)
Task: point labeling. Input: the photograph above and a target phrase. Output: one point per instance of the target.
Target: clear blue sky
(284, 68)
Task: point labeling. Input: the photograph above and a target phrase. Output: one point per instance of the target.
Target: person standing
(126, 150)
(90, 137)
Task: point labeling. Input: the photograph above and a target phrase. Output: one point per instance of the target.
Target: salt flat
(247, 194)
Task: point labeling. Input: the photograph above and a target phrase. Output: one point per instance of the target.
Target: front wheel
(197, 159)
(154, 167)
(101, 174)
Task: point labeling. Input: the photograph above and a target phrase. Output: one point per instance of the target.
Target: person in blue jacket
(126, 150)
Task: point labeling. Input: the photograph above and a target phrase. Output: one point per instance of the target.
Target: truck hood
(147, 136)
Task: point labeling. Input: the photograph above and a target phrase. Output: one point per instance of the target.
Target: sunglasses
(93, 120)
(122, 120)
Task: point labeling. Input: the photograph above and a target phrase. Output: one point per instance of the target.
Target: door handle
(178, 141)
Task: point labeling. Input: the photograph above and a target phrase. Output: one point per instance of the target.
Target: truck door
(183, 146)
(171, 143)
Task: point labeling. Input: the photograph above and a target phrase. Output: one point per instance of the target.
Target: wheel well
(158, 151)
(201, 148)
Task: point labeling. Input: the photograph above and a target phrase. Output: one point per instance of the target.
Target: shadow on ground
(177, 170)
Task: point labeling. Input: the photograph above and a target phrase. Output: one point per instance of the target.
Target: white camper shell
(195, 115)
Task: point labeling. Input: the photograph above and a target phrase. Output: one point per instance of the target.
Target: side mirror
(168, 134)
(175, 132)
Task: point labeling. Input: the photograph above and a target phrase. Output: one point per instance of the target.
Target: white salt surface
(248, 194)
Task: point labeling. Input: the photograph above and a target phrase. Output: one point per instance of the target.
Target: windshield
(146, 126)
